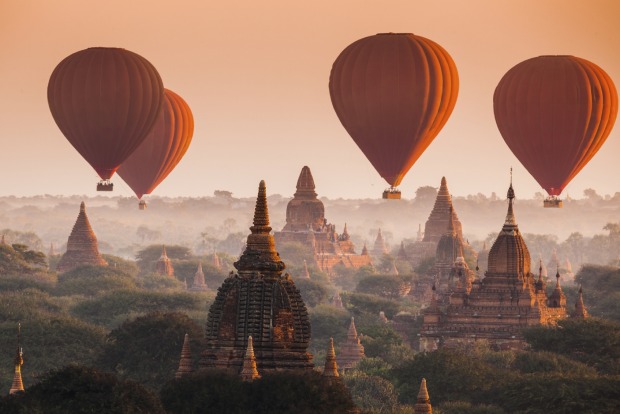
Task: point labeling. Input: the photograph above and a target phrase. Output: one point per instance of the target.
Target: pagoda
(185, 362)
(351, 351)
(498, 307)
(580, 311)
(82, 246)
(199, 280)
(261, 302)
(164, 265)
(441, 217)
(331, 365)
(18, 384)
(379, 248)
(249, 372)
(423, 403)
(306, 224)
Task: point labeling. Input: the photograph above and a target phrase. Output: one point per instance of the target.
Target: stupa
(261, 302)
(499, 306)
(331, 366)
(351, 351)
(580, 311)
(306, 224)
(423, 403)
(185, 362)
(18, 385)
(164, 265)
(82, 246)
(379, 248)
(199, 280)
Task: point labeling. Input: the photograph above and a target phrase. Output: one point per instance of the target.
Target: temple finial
(423, 403)
(185, 362)
(18, 384)
(261, 211)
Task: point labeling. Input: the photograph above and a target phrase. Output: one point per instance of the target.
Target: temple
(185, 362)
(306, 224)
(249, 372)
(164, 265)
(379, 248)
(199, 280)
(580, 311)
(82, 246)
(351, 351)
(261, 302)
(442, 220)
(497, 307)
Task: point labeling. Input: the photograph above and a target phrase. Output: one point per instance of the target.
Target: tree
(426, 194)
(77, 389)
(371, 393)
(147, 257)
(387, 286)
(147, 349)
(18, 260)
(93, 280)
(312, 292)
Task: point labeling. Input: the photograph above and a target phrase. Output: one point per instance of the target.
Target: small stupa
(351, 351)
(18, 384)
(82, 246)
(185, 363)
(199, 280)
(337, 301)
(580, 309)
(216, 261)
(379, 248)
(305, 274)
(423, 403)
(331, 366)
(164, 265)
(249, 371)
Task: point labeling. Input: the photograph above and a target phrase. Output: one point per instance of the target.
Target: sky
(256, 77)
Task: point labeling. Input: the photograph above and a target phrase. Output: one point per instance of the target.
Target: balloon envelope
(555, 113)
(105, 101)
(163, 147)
(393, 93)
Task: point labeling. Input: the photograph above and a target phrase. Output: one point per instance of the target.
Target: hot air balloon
(555, 113)
(162, 149)
(393, 92)
(105, 101)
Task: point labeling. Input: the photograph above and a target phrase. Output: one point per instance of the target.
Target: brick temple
(496, 308)
(306, 224)
(82, 246)
(258, 301)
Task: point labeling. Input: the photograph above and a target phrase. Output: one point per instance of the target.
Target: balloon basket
(552, 202)
(142, 205)
(105, 185)
(391, 194)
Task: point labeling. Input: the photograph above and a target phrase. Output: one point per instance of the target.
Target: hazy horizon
(256, 75)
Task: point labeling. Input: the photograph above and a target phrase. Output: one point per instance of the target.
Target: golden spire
(423, 404)
(510, 225)
(331, 366)
(249, 371)
(305, 184)
(260, 255)
(185, 363)
(18, 384)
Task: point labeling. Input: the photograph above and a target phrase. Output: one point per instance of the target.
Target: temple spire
(331, 366)
(185, 363)
(306, 274)
(199, 279)
(164, 265)
(260, 255)
(18, 384)
(510, 224)
(580, 309)
(249, 371)
(423, 403)
(305, 184)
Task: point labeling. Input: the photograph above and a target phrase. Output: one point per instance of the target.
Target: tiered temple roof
(351, 351)
(261, 302)
(306, 224)
(82, 246)
(580, 309)
(499, 306)
(164, 265)
(439, 219)
(185, 362)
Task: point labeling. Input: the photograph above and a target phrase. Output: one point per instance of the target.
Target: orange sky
(256, 75)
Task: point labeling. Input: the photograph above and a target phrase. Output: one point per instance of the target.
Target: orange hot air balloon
(555, 113)
(393, 92)
(162, 149)
(105, 101)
